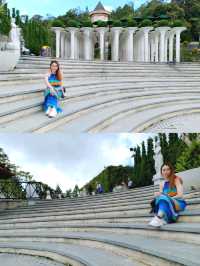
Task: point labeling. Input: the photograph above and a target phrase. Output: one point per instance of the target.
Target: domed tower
(99, 13)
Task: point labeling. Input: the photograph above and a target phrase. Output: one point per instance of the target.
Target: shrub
(86, 23)
(163, 23)
(57, 23)
(117, 23)
(146, 23)
(73, 23)
(101, 23)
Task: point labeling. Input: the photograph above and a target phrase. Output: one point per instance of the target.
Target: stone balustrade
(146, 44)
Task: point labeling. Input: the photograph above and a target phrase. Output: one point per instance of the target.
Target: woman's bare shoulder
(162, 183)
(178, 180)
(48, 73)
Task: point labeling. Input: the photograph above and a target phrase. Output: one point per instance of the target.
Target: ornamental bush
(57, 23)
(73, 23)
(117, 23)
(146, 23)
(5, 20)
(86, 23)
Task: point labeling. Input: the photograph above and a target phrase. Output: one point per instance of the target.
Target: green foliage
(177, 23)
(162, 23)
(189, 55)
(128, 22)
(110, 177)
(76, 191)
(86, 23)
(131, 23)
(141, 174)
(73, 23)
(58, 190)
(68, 193)
(5, 20)
(57, 23)
(100, 23)
(146, 23)
(9, 177)
(12, 189)
(190, 157)
(37, 34)
(117, 23)
(127, 11)
(171, 147)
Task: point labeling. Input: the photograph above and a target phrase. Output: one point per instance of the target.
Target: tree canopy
(183, 155)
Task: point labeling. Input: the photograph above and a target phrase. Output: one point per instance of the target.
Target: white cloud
(108, 8)
(68, 160)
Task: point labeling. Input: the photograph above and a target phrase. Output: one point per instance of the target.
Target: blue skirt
(170, 207)
(51, 101)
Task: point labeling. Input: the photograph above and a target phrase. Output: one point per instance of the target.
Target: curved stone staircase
(110, 229)
(103, 97)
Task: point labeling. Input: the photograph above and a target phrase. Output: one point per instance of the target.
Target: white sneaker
(48, 110)
(53, 113)
(157, 222)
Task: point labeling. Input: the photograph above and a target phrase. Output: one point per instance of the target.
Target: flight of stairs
(103, 97)
(108, 229)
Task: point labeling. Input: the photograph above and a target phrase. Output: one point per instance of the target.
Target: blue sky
(59, 7)
(69, 159)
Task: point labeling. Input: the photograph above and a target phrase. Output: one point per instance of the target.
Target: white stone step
(75, 109)
(151, 250)
(24, 260)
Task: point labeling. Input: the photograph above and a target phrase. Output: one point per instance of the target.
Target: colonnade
(146, 44)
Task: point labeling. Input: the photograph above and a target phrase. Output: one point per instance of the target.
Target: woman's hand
(52, 91)
(156, 194)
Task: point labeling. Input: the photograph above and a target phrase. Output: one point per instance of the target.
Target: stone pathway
(24, 260)
(186, 123)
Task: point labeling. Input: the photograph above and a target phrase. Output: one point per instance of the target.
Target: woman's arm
(52, 91)
(179, 188)
(160, 190)
(47, 80)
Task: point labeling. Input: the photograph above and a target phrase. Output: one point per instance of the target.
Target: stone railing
(146, 44)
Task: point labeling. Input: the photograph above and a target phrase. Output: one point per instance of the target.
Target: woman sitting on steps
(169, 201)
(54, 91)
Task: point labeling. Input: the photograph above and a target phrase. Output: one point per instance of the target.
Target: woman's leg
(164, 211)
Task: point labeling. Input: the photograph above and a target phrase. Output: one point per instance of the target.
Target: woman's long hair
(172, 176)
(58, 71)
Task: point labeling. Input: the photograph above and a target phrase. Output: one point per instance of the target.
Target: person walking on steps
(54, 91)
(168, 202)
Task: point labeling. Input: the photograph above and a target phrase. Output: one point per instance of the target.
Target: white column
(102, 32)
(115, 43)
(139, 46)
(88, 43)
(178, 31)
(171, 46)
(146, 31)
(152, 46)
(162, 31)
(156, 47)
(57, 30)
(130, 47)
(62, 44)
(67, 45)
(166, 47)
(73, 43)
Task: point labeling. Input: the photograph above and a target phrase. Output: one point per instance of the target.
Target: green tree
(76, 191)
(190, 157)
(5, 20)
(37, 34)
